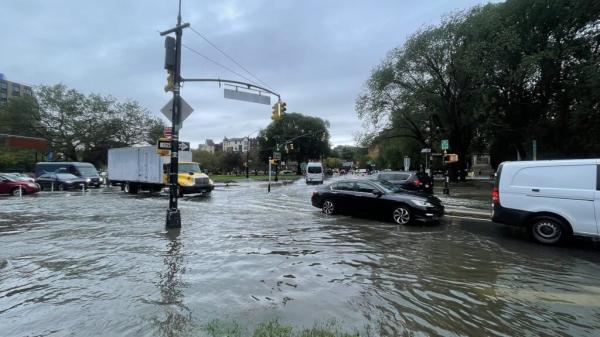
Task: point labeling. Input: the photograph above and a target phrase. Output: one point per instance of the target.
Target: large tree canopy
(79, 127)
(309, 136)
(494, 79)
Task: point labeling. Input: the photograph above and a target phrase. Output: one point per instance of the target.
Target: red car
(12, 186)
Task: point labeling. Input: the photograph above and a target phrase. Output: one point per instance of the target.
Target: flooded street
(102, 264)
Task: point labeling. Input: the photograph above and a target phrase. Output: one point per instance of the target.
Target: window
(365, 187)
(3, 84)
(394, 176)
(314, 169)
(344, 186)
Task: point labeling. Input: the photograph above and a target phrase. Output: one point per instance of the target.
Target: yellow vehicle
(142, 168)
(190, 179)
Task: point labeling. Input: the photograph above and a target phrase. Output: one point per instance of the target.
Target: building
(236, 144)
(10, 89)
(208, 147)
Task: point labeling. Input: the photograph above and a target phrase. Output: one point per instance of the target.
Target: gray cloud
(317, 54)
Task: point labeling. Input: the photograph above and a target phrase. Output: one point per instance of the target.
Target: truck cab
(190, 178)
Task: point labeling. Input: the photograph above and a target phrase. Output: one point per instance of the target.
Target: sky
(317, 54)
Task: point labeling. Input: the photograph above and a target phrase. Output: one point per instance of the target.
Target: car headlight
(211, 182)
(87, 180)
(421, 203)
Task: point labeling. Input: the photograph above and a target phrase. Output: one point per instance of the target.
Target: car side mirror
(377, 193)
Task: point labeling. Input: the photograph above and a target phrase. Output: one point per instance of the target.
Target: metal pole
(248, 159)
(269, 186)
(173, 214)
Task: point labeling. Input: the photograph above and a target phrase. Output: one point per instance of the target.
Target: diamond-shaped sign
(186, 110)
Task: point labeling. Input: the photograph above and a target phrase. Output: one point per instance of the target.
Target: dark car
(61, 181)
(79, 169)
(408, 180)
(17, 187)
(377, 199)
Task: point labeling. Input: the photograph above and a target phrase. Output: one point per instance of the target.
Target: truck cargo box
(139, 164)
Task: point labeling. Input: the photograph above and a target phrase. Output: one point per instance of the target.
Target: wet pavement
(101, 263)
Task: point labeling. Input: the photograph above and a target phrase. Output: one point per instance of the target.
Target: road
(101, 263)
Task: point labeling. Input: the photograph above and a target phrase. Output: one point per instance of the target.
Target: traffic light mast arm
(218, 80)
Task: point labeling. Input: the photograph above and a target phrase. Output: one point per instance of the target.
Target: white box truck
(141, 168)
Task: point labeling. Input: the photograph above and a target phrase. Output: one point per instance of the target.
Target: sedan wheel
(401, 215)
(17, 191)
(328, 207)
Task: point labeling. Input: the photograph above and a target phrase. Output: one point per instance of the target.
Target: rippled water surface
(102, 264)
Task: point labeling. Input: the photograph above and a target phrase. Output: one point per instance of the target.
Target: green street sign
(445, 144)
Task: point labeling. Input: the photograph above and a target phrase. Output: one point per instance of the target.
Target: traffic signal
(282, 108)
(170, 81)
(276, 111)
(450, 158)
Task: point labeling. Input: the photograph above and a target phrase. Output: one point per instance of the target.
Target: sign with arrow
(186, 110)
(166, 145)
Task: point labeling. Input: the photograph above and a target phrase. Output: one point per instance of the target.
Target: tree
(306, 137)
(79, 127)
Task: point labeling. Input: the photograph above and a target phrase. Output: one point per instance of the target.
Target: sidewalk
(470, 198)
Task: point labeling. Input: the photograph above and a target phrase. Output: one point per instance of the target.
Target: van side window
(577, 177)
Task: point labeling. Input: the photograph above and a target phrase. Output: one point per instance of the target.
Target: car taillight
(495, 195)
(417, 182)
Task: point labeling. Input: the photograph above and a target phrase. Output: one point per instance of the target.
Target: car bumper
(197, 189)
(429, 215)
(509, 216)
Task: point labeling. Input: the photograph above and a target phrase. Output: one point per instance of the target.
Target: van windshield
(314, 169)
(87, 171)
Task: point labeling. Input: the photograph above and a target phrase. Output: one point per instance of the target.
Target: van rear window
(314, 169)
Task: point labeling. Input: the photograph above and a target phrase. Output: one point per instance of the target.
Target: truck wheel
(548, 230)
(131, 188)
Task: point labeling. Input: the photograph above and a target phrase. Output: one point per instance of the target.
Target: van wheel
(61, 187)
(547, 230)
(402, 215)
(328, 207)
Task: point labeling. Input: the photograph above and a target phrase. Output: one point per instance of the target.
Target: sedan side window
(343, 186)
(364, 187)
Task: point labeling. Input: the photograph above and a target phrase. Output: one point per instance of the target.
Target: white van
(314, 173)
(553, 199)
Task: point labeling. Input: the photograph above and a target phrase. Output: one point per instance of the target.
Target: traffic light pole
(173, 214)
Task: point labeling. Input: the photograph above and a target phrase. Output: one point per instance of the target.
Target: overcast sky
(316, 54)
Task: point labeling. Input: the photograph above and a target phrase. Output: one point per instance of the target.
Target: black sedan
(61, 181)
(377, 199)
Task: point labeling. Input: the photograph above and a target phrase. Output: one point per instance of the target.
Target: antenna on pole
(179, 14)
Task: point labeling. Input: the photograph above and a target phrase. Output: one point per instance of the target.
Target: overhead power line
(215, 62)
(230, 58)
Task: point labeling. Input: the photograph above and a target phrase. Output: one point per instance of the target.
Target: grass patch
(273, 328)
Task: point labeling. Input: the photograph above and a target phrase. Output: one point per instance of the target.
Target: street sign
(426, 150)
(186, 110)
(445, 144)
(277, 155)
(184, 146)
(165, 144)
(247, 96)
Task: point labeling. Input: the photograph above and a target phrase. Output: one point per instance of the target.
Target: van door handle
(535, 190)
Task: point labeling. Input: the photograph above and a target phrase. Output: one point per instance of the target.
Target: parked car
(552, 199)
(408, 180)
(15, 187)
(61, 181)
(377, 199)
(314, 173)
(20, 176)
(79, 169)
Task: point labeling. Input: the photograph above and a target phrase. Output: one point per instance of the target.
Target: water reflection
(170, 283)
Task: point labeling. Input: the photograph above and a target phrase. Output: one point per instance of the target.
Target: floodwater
(101, 264)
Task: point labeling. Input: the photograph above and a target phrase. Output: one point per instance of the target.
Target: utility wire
(217, 63)
(231, 58)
